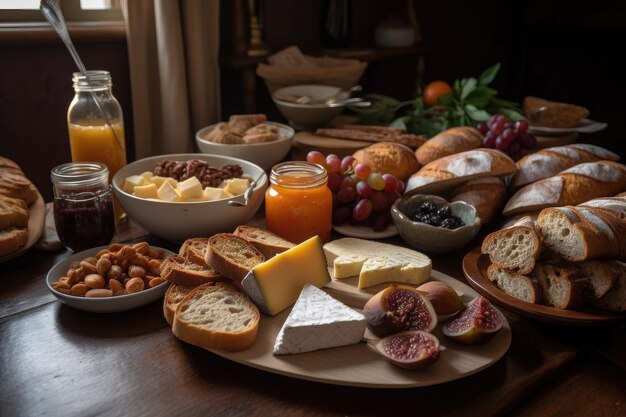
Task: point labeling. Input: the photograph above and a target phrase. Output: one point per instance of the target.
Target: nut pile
(207, 175)
(118, 270)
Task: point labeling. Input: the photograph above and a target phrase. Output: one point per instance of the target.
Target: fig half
(398, 308)
(445, 300)
(411, 349)
(477, 323)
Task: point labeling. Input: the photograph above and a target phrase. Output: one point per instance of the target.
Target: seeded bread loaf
(449, 142)
(445, 173)
(522, 287)
(217, 317)
(515, 248)
(563, 285)
(486, 194)
(573, 186)
(173, 296)
(232, 256)
(548, 162)
(179, 270)
(265, 241)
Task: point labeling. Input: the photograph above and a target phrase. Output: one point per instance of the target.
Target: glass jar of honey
(83, 205)
(96, 123)
(298, 204)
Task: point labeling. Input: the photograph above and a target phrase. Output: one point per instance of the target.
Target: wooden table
(59, 361)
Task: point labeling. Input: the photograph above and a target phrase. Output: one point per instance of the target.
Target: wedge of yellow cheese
(146, 191)
(276, 284)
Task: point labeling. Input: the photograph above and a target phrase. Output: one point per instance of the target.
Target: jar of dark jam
(83, 205)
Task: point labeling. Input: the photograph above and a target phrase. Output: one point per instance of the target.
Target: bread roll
(389, 158)
(449, 142)
(486, 194)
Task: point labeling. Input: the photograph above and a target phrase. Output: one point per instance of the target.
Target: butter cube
(133, 181)
(190, 188)
(147, 175)
(146, 191)
(211, 193)
(158, 181)
(237, 186)
(168, 193)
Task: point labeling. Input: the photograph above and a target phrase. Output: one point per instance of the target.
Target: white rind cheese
(348, 265)
(318, 321)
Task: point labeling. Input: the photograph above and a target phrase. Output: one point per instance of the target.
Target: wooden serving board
(358, 365)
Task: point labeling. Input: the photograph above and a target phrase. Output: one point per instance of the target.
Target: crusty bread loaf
(7, 164)
(614, 204)
(522, 287)
(615, 299)
(573, 186)
(389, 158)
(13, 212)
(602, 275)
(232, 256)
(173, 296)
(486, 194)
(16, 185)
(548, 162)
(563, 285)
(373, 134)
(179, 270)
(542, 112)
(449, 142)
(12, 239)
(445, 173)
(217, 317)
(515, 248)
(265, 241)
(583, 233)
(195, 250)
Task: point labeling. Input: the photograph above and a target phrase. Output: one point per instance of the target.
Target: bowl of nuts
(429, 223)
(109, 279)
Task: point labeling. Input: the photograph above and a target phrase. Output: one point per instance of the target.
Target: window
(73, 10)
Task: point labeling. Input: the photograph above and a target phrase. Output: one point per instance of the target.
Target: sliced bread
(615, 299)
(232, 256)
(174, 295)
(265, 241)
(602, 275)
(515, 248)
(195, 249)
(179, 270)
(522, 287)
(563, 285)
(217, 317)
(13, 212)
(12, 239)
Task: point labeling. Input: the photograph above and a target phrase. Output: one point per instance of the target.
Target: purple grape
(390, 182)
(501, 144)
(334, 181)
(527, 141)
(362, 209)
(482, 127)
(348, 182)
(363, 189)
(346, 163)
(521, 126)
(379, 200)
(513, 149)
(341, 215)
(508, 136)
(381, 222)
(489, 140)
(346, 195)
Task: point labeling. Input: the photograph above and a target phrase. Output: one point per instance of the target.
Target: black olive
(444, 212)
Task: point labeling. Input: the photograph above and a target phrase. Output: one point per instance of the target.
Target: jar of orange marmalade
(298, 204)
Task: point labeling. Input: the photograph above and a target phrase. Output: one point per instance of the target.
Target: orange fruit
(434, 90)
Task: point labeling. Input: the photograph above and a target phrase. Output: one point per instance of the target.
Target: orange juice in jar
(96, 124)
(298, 204)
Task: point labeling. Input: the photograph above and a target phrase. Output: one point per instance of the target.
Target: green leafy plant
(471, 101)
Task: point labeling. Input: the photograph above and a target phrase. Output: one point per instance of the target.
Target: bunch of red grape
(360, 196)
(504, 135)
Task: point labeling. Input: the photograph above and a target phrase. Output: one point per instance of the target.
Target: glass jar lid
(80, 174)
(298, 174)
(96, 79)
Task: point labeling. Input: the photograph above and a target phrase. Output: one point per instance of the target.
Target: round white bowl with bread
(177, 221)
(316, 111)
(263, 154)
(113, 304)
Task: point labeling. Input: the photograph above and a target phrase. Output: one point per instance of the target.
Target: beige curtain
(173, 55)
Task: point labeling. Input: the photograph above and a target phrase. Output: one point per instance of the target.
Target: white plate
(585, 126)
(364, 232)
(102, 305)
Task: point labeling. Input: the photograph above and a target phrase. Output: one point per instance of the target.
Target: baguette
(373, 134)
(195, 250)
(232, 256)
(448, 142)
(173, 296)
(217, 317)
(522, 287)
(182, 271)
(615, 299)
(445, 173)
(265, 241)
(562, 285)
(548, 162)
(515, 248)
(573, 186)
(486, 194)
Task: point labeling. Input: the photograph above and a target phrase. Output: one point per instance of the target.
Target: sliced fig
(411, 349)
(398, 308)
(443, 297)
(477, 323)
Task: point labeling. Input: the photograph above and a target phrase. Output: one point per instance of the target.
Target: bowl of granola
(178, 196)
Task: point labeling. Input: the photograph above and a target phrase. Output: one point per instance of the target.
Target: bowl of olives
(429, 223)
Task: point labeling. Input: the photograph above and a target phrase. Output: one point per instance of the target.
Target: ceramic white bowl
(309, 115)
(107, 304)
(179, 221)
(265, 155)
(432, 239)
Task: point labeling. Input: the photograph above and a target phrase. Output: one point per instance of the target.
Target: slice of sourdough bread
(522, 287)
(232, 256)
(602, 275)
(615, 299)
(179, 270)
(174, 295)
(195, 250)
(265, 241)
(217, 317)
(563, 285)
(515, 248)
